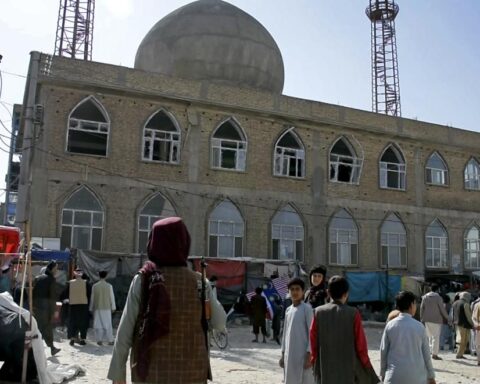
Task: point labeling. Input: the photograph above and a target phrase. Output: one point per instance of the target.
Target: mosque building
(199, 128)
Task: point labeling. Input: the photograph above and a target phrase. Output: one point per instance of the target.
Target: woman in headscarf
(317, 293)
(161, 321)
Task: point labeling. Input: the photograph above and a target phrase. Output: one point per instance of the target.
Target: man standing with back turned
(433, 314)
(102, 304)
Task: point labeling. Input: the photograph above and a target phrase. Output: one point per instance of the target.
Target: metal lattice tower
(385, 80)
(75, 29)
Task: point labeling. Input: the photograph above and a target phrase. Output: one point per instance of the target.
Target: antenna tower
(75, 29)
(385, 81)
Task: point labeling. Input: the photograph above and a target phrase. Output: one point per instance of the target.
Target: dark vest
(460, 317)
(336, 344)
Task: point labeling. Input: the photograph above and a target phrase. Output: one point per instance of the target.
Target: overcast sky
(325, 46)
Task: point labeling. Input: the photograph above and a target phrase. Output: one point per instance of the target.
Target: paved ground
(244, 362)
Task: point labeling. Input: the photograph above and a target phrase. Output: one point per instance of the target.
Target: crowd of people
(164, 327)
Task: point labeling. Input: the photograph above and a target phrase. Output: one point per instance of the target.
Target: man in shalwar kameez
(295, 358)
(102, 304)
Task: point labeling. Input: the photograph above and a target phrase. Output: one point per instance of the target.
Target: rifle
(203, 296)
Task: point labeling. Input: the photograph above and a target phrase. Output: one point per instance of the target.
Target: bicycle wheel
(220, 338)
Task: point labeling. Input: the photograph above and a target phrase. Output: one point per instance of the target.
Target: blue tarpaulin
(371, 286)
(47, 255)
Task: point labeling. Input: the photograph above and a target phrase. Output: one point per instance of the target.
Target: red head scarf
(168, 246)
(169, 243)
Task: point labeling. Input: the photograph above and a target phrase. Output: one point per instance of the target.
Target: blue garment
(405, 353)
(4, 283)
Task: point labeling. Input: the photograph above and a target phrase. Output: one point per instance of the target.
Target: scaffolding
(75, 29)
(385, 80)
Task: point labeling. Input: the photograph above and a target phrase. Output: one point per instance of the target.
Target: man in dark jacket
(462, 317)
(44, 299)
(258, 304)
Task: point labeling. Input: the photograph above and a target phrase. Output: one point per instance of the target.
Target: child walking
(295, 358)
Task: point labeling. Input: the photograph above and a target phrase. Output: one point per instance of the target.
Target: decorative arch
(226, 230)
(88, 128)
(229, 146)
(472, 174)
(472, 247)
(154, 208)
(345, 165)
(161, 138)
(436, 169)
(82, 220)
(289, 155)
(436, 245)
(392, 168)
(288, 234)
(393, 242)
(343, 239)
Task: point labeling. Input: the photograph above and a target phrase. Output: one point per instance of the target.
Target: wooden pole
(28, 339)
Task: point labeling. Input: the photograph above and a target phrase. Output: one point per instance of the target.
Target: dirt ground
(244, 362)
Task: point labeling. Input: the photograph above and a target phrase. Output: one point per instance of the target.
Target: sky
(325, 46)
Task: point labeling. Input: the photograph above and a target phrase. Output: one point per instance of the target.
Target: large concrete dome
(215, 41)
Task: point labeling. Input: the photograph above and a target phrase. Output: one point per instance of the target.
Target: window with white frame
(161, 139)
(472, 248)
(82, 221)
(392, 169)
(226, 231)
(436, 170)
(345, 166)
(343, 239)
(229, 147)
(472, 175)
(287, 235)
(436, 239)
(393, 242)
(155, 209)
(289, 156)
(88, 129)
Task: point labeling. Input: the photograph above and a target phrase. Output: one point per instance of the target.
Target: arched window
(154, 209)
(436, 239)
(393, 241)
(343, 238)
(289, 157)
(345, 166)
(161, 139)
(88, 128)
(392, 169)
(287, 234)
(436, 170)
(226, 231)
(82, 221)
(229, 147)
(472, 248)
(472, 175)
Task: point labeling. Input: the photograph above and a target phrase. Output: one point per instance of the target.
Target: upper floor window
(472, 175)
(82, 221)
(225, 231)
(155, 208)
(343, 239)
(289, 155)
(392, 169)
(345, 166)
(287, 235)
(436, 170)
(229, 147)
(88, 128)
(161, 139)
(436, 239)
(472, 248)
(393, 242)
